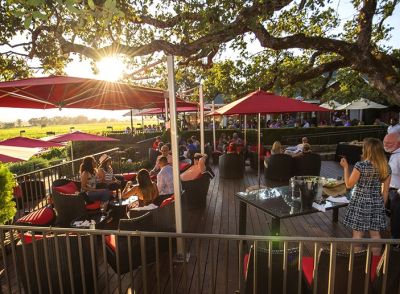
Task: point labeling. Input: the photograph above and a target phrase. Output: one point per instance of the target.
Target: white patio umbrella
(360, 105)
(15, 154)
(332, 104)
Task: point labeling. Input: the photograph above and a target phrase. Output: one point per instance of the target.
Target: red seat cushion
(69, 188)
(93, 206)
(43, 216)
(183, 166)
(27, 237)
(110, 242)
(374, 264)
(308, 268)
(167, 201)
(245, 264)
(129, 176)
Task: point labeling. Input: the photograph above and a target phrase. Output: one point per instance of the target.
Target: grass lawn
(38, 132)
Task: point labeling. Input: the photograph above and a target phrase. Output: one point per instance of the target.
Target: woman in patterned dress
(371, 178)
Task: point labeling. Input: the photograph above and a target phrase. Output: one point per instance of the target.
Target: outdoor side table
(278, 203)
(83, 222)
(118, 207)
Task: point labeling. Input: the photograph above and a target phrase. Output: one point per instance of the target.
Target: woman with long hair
(145, 189)
(276, 148)
(88, 173)
(371, 178)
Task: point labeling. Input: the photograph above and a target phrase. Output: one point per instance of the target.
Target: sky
(83, 69)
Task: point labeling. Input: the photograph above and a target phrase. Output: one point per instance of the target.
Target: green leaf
(27, 22)
(39, 15)
(91, 4)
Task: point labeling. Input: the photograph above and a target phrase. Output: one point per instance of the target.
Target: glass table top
(281, 202)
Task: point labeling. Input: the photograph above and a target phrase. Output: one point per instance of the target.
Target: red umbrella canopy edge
(74, 92)
(29, 143)
(266, 103)
(78, 136)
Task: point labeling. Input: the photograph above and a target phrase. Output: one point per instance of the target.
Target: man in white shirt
(165, 182)
(391, 143)
(394, 126)
(298, 148)
(164, 153)
(196, 169)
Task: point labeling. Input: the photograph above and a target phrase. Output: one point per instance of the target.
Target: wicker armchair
(68, 206)
(231, 166)
(58, 274)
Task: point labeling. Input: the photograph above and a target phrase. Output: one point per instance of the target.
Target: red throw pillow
(110, 241)
(40, 217)
(374, 264)
(129, 176)
(308, 268)
(69, 188)
(167, 201)
(93, 206)
(27, 237)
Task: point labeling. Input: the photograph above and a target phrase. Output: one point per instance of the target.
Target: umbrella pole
(259, 149)
(201, 98)
(72, 158)
(214, 139)
(175, 158)
(132, 121)
(245, 129)
(142, 124)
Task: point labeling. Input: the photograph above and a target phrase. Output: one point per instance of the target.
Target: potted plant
(7, 205)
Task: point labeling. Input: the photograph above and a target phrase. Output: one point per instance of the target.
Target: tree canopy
(307, 47)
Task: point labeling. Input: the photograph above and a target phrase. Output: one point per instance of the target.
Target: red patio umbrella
(29, 143)
(73, 92)
(77, 136)
(261, 102)
(155, 111)
(15, 154)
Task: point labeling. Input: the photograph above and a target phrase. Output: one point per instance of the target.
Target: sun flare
(110, 68)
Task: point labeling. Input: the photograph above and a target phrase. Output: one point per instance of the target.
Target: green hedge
(7, 205)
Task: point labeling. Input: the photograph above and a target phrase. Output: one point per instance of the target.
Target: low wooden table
(278, 203)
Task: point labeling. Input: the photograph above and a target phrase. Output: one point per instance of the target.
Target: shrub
(134, 166)
(34, 163)
(7, 205)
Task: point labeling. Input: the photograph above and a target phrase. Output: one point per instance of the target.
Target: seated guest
(164, 153)
(276, 148)
(165, 182)
(196, 142)
(236, 139)
(198, 167)
(105, 173)
(306, 150)
(88, 181)
(146, 190)
(296, 149)
(232, 148)
(222, 142)
(191, 146)
(156, 142)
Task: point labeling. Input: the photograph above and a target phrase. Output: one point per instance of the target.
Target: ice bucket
(309, 188)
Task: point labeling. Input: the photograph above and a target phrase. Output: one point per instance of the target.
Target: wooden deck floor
(219, 259)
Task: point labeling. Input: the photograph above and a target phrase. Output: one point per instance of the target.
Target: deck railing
(74, 261)
(34, 187)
